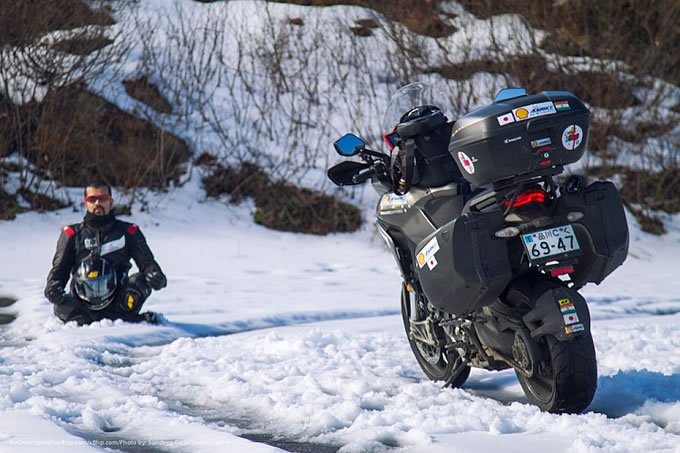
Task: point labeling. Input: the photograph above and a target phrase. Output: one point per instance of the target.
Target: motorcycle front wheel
(566, 381)
(437, 363)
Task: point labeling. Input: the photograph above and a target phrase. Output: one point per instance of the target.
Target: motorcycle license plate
(557, 241)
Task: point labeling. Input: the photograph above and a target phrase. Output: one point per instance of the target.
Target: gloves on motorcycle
(156, 280)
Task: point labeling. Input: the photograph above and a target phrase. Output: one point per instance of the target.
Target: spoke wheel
(435, 361)
(566, 381)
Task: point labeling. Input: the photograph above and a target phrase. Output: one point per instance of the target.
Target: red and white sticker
(505, 119)
(426, 255)
(467, 162)
(572, 137)
(570, 318)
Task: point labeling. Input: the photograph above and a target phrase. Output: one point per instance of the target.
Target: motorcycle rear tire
(566, 381)
(437, 363)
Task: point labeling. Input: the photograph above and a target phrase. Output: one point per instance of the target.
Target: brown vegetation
(279, 205)
(66, 133)
(422, 17)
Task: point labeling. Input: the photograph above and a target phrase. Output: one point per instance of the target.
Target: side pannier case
(519, 136)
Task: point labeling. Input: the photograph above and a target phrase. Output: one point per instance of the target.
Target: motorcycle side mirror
(349, 145)
(509, 93)
(342, 173)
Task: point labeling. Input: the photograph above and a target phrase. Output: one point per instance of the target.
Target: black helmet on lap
(95, 282)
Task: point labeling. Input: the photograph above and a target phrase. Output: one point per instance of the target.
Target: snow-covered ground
(295, 340)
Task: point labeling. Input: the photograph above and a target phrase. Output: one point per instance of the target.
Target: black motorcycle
(492, 243)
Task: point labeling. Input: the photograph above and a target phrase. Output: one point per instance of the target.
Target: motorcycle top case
(519, 136)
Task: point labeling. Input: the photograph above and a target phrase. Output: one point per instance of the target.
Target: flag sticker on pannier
(426, 254)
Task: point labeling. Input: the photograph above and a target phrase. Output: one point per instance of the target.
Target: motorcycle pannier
(519, 136)
(462, 266)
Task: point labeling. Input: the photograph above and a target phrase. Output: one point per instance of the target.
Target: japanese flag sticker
(467, 163)
(426, 255)
(572, 137)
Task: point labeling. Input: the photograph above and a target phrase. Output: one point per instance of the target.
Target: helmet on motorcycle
(413, 101)
(419, 120)
(95, 282)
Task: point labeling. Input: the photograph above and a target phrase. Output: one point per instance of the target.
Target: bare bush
(37, 65)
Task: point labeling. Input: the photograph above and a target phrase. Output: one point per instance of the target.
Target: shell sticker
(572, 137)
(541, 142)
(391, 203)
(467, 162)
(426, 254)
(574, 328)
(534, 110)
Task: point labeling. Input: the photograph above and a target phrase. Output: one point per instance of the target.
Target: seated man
(95, 254)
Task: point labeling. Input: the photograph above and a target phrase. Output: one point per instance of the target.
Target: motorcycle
(491, 242)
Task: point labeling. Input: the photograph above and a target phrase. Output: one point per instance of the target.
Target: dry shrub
(9, 208)
(80, 136)
(145, 91)
(280, 206)
(422, 17)
(246, 180)
(532, 73)
(82, 46)
(41, 202)
(23, 21)
(289, 208)
(658, 191)
(60, 130)
(642, 33)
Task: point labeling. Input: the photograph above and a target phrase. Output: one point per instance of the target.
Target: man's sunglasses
(95, 198)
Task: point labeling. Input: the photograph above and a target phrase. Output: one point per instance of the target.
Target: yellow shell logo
(421, 259)
(93, 274)
(522, 113)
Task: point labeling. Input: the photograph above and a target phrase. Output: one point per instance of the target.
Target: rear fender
(561, 312)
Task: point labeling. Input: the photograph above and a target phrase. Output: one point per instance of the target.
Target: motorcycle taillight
(527, 197)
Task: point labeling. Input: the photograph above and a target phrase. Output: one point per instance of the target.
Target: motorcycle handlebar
(361, 177)
(372, 171)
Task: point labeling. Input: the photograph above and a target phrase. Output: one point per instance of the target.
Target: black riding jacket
(115, 240)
